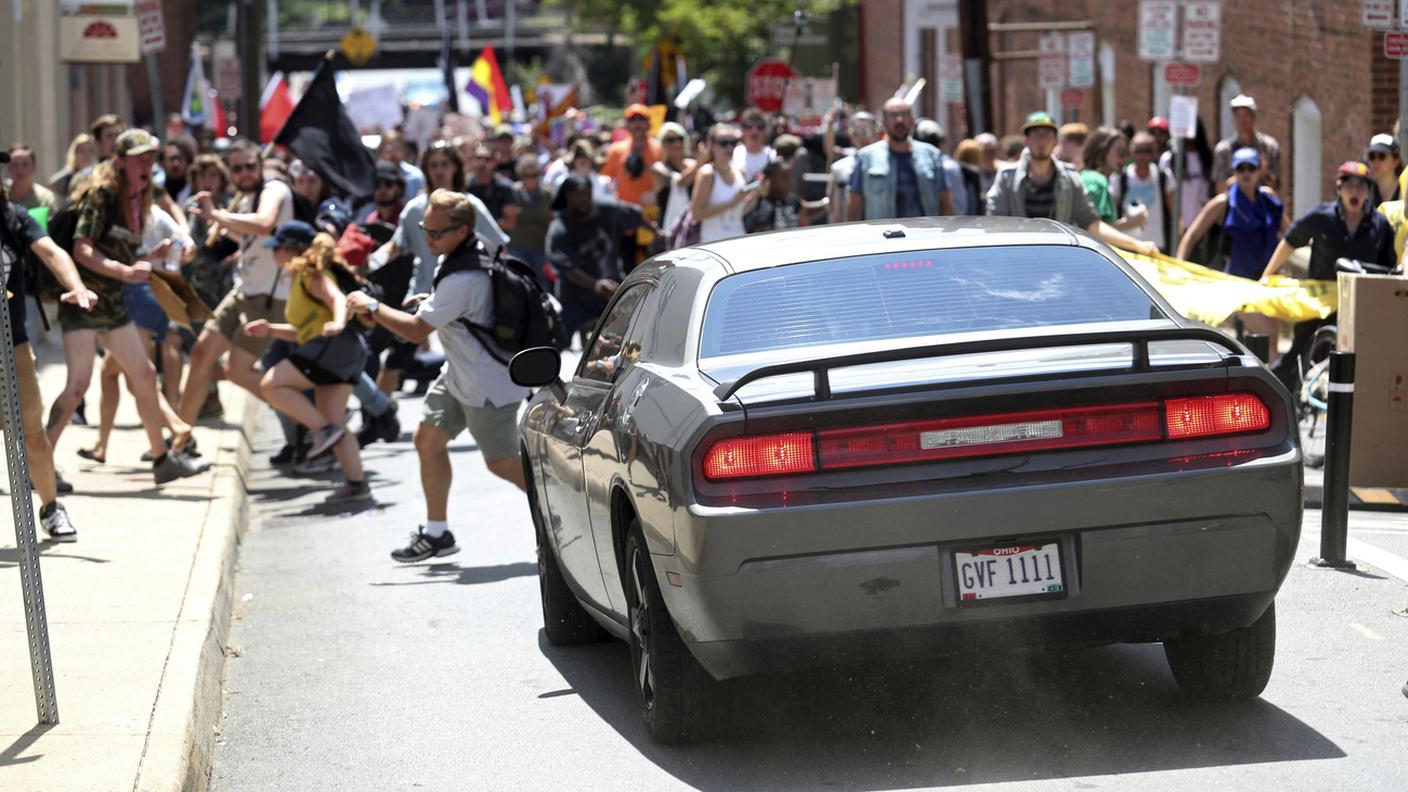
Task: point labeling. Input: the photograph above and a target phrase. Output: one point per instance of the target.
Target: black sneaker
(385, 427)
(56, 523)
(284, 457)
(425, 546)
(174, 466)
(60, 486)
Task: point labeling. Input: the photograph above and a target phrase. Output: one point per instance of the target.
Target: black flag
(447, 65)
(319, 132)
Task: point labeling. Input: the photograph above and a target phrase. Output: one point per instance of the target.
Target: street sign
(1182, 116)
(1080, 59)
(1182, 73)
(764, 83)
(151, 26)
(1052, 61)
(358, 45)
(951, 77)
(1376, 14)
(1396, 45)
(1403, 14)
(1072, 97)
(1157, 20)
(1202, 31)
(227, 78)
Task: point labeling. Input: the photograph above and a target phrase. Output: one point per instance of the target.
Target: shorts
(331, 361)
(31, 403)
(236, 310)
(494, 429)
(145, 311)
(108, 313)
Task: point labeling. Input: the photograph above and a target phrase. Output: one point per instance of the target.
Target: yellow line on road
(1366, 632)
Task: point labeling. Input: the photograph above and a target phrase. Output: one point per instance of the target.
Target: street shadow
(11, 753)
(951, 721)
(10, 556)
(462, 448)
(467, 576)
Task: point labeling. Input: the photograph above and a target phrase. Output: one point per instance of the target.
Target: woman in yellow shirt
(327, 355)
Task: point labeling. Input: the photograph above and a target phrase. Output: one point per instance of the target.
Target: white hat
(1242, 100)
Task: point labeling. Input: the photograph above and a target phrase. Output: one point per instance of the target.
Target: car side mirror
(538, 367)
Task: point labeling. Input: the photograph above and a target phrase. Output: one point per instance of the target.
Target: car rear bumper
(1144, 558)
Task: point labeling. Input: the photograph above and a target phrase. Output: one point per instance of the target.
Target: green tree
(720, 38)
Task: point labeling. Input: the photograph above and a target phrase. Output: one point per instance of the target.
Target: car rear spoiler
(1139, 339)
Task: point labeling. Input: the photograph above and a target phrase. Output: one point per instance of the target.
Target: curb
(182, 731)
(1378, 499)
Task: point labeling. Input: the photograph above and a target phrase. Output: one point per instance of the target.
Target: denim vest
(878, 178)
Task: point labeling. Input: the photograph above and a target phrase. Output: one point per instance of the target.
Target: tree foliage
(721, 39)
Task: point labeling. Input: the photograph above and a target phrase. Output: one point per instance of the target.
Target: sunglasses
(755, 126)
(727, 142)
(1377, 155)
(387, 183)
(248, 166)
(1143, 151)
(672, 139)
(1247, 168)
(437, 233)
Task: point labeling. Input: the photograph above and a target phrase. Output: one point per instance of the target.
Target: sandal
(92, 456)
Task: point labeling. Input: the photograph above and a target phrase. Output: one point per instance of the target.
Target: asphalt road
(351, 672)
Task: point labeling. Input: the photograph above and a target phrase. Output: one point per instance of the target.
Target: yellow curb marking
(1374, 495)
(1366, 632)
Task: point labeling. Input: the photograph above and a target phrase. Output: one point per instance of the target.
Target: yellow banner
(1209, 296)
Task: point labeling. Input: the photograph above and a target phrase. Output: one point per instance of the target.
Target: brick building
(1320, 79)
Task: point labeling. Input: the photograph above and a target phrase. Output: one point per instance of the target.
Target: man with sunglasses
(1385, 163)
(1145, 183)
(628, 162)
(898, 176)
(754, 154)
(261, 287)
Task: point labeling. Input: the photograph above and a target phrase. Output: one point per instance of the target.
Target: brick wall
(1278, 50)
(882, 50)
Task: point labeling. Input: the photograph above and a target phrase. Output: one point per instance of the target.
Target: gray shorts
(494, 429)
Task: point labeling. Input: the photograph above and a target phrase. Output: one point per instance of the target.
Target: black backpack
(524, 315)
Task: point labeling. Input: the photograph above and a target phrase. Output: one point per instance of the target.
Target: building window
(1306, 136)
(1226, 92)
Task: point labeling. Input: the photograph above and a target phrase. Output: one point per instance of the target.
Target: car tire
(565, 621)
(672, 689)
(1229, 666)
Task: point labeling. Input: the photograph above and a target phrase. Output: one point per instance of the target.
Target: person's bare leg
(243, 370)
(433, 448)
(171, 364)
(110, 388)
(332, 403)
(283, 388)
(126, 346)
(80, 346)
(205, 357)
(509, 469)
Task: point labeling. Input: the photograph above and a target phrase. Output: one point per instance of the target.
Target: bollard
(1334, 506)
(1260, 345)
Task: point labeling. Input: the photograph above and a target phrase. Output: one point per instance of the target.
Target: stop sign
(765, 84)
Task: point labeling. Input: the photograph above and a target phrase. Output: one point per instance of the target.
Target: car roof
(793, 246)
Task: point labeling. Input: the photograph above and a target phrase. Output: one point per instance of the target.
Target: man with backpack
(474, 391)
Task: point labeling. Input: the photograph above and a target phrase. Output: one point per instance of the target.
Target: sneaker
(312, 467)
(56, 523)
(425, 546)
(284, 457)
(324, 439)
(385, 427)
(174, 466)
(350, 492)
(60, 486)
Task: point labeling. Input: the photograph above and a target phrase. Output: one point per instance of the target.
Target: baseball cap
(1383, 142)
(571, 184)
(293, 234)
(1352, 169)
(385, 169)
(1242, 100)
(334, 213)
(134, 142)
(1247, 155)
(1037, 120)
(637, 109)
(1157, 122)
(503, 130)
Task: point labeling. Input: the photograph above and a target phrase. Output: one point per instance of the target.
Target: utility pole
(249, 41)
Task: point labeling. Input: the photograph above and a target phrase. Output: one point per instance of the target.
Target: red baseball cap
(1158, 122)
(1352, 169)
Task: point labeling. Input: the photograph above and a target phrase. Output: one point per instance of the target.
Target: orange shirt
(630, 189)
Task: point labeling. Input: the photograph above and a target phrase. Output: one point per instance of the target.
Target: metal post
(35, 621)
(1260, 345)
(1334, 508)
(1180, 144)
(158, 107)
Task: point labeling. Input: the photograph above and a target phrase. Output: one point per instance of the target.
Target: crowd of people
(313, 298)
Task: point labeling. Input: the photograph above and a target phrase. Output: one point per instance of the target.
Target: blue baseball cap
(1247, 155)
(333, 216)
(293, 234)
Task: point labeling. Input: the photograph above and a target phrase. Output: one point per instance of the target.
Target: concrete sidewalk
(138, 611)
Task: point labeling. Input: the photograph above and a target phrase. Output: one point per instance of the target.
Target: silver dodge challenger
(842, 443)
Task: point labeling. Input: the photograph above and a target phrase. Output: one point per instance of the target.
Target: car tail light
(986, 435)
(1203, 416)
(760, 455)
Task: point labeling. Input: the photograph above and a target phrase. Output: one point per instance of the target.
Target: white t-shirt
(258, 272)
(408, 236)
(473, 377)
(161, 226)
(751, 164)
(1146, 192)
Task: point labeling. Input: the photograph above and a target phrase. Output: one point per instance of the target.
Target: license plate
(1011, 571)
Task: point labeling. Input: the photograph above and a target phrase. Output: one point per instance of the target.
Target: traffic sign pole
(154, 81)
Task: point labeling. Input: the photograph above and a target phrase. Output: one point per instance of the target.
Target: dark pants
(1287, 368)
(577, 315)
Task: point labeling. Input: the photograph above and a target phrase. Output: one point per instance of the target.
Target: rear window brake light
(985, 435)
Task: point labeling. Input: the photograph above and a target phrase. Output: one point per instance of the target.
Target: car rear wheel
(1227, 666)
(671, 687)
(565, 621)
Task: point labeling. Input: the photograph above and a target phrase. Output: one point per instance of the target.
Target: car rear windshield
(870, 298)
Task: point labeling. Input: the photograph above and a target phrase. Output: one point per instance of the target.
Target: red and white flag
(275, 106)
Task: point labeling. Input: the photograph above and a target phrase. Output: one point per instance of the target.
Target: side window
(610, 351)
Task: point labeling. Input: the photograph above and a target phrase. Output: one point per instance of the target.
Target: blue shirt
(1324, 229)
(1251, 226)
(907, 202)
